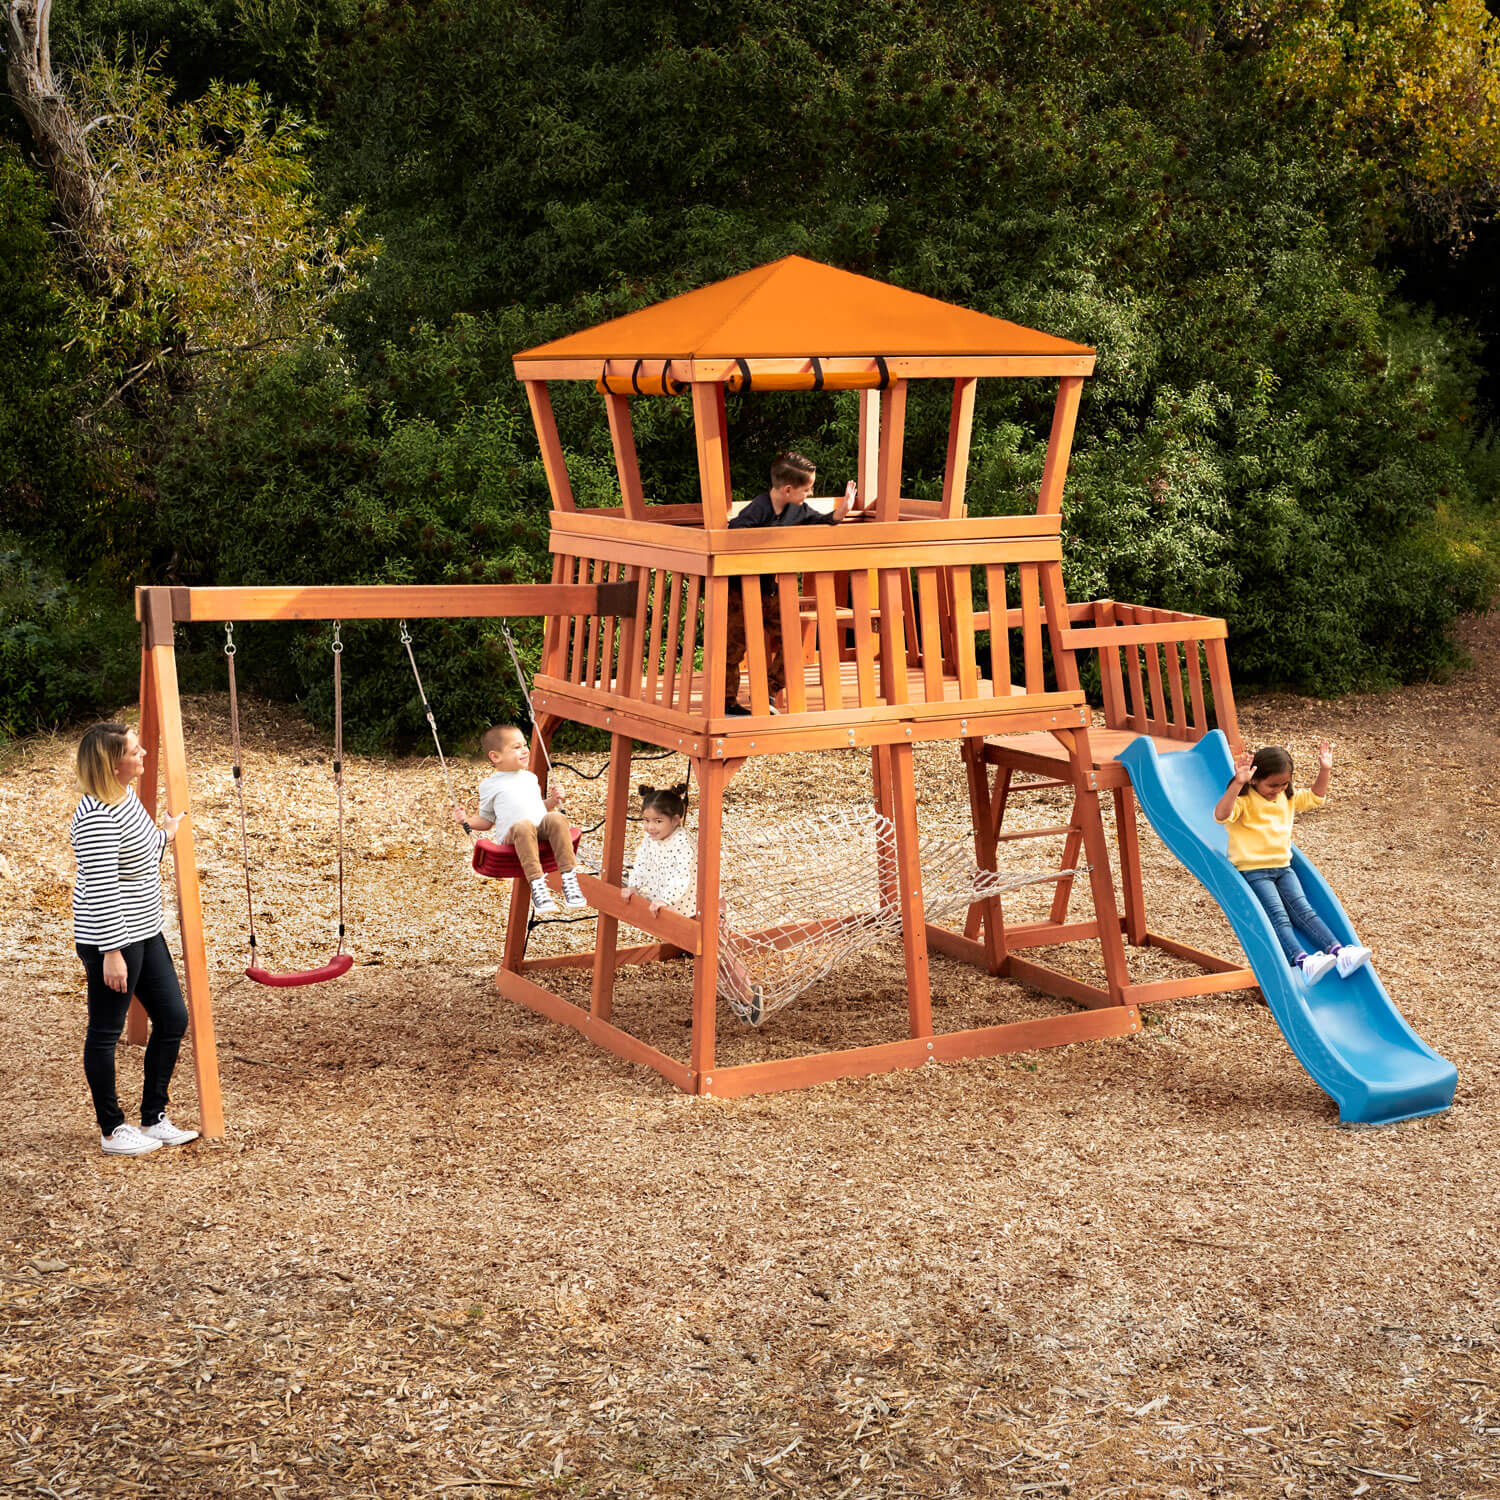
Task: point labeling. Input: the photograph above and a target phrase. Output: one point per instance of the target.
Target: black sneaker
(736, 711)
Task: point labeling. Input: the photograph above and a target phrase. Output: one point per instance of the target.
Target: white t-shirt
(509, 797)
(665, 870)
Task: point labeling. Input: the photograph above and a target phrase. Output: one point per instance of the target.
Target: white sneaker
(572, 896)
(541, 899)
(1350, 957)
(168, 1134)
(1315, 965)
(128, 1141)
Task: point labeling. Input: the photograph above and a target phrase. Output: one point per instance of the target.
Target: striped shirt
(117, 899)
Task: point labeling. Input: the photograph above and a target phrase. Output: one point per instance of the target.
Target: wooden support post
(1089, 814)
(627, 467)
(885, 865)
(909, 873)
(553, 463)
(1062, 893)
(892, 439)
(711, 778)
(137, 1027)
(1131, 886)
(869, 447)
(711, 426)
(163, 689)
(1059, 445)
(612, 871)
(990, 914)
(960, 431)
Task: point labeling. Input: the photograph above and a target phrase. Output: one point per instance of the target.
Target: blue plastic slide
(1345, 1032)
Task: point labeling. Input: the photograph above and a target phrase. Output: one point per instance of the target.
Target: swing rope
(340, 962)
(432, 724)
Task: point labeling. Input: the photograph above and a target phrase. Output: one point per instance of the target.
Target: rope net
(780, 931)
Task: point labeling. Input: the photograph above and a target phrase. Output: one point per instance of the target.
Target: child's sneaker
(1350, 957)
(126, 1140)
(1315, 965)
(572, 896)
(541, 898)
(168, 1133)
(755, 1008)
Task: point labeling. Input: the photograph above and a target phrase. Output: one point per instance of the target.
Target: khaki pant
(555, 829)
(739, 646)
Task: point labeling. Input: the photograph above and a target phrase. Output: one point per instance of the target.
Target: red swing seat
(339, 964)
(500, 862)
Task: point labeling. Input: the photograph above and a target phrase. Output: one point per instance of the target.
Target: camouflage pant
(739, 644)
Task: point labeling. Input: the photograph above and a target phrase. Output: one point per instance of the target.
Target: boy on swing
(511, 802)
(784, 504)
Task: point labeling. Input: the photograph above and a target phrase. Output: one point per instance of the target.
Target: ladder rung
(1036, 786)
(1035, 833)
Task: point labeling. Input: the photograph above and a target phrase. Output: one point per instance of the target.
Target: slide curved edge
(1352, 1040)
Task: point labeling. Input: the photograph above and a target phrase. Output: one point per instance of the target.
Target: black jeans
(151, 976)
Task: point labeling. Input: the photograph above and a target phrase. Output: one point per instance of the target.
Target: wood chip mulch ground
(448, 1249)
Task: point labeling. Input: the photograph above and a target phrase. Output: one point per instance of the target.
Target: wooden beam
(1059, 445)
(163, 672)
(960, 431)
(553, 462)
(611, 870)
(711, 428)
(391, 601)
(627, 466)
(711, 778)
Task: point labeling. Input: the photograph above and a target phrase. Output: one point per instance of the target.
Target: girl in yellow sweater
(1259, 806)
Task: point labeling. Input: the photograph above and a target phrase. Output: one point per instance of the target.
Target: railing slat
(689, 643)
(674, 629)
(755, 648)
(831, 668)
(1031, 627)
(861, 604)
(788, 606)
(932, 649)
(966, 664)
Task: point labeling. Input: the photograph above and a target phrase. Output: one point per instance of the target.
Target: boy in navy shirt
(784, 504)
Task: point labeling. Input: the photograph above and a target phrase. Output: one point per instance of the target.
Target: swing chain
(338, 646)
(229, 646)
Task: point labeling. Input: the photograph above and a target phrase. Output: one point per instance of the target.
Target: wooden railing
(1152, 666)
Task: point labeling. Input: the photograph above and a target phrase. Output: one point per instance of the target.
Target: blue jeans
(1280, 892)
(151, 977)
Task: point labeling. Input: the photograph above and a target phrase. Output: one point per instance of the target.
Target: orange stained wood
(796, 307)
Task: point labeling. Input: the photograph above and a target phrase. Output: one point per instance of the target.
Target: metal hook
(229, 646)
(338, 645)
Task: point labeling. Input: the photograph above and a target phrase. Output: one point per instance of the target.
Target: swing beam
(159, 610)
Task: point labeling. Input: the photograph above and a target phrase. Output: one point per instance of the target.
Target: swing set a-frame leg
(161, 715)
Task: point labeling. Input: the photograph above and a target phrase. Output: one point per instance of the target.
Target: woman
(117, 922)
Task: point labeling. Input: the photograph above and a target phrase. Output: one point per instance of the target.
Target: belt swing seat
(493, 860)
(341, 962)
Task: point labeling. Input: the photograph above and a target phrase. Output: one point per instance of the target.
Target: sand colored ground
(448, 1249)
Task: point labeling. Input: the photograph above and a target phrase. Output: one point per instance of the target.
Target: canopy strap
(745, 376)
(239, 779)
(432, 724)
(885, 372)
(817, 368)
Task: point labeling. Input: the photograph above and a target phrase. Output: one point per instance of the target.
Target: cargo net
(795, 908)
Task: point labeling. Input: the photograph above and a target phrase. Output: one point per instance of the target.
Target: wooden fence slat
(965, 663)
(994, 584)
(689, 643)
(1195, 687)
(932, 649)
(1174, 685)
(756, 665)
(830, 661)
(653, 647)
(861, 605)
(673, 641)
(788, 605)
(1031, 627)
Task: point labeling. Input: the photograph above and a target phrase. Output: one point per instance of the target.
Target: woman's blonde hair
(99, 752)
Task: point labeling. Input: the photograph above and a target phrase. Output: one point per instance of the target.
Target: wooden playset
(900, 625)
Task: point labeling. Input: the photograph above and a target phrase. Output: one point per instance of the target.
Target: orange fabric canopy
(794, 308)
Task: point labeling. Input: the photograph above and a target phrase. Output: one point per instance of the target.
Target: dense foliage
(1215, 201)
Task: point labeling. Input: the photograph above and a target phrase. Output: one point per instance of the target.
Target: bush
(67, 652)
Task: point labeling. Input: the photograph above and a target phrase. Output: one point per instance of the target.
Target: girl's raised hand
(1325, 756)
(1244, 769)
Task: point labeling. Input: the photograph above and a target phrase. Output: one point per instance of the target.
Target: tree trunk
(60, 142)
